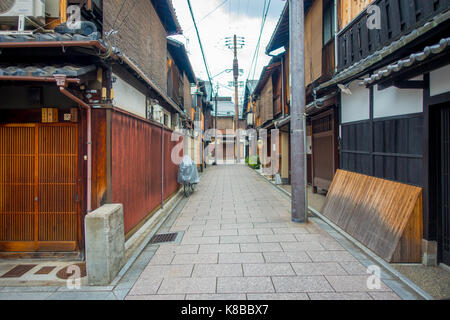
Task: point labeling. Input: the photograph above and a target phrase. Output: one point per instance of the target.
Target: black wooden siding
(395, 153)
(399, 17)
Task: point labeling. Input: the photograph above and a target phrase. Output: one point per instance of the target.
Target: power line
(210, 13)
(120, 11)
(259, 41)
(201, 46)
(126, 17)
(256, 53)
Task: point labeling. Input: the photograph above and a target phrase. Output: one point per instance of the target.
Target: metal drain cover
(166, 237)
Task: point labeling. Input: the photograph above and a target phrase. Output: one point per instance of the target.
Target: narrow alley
(225, 150)
(238, 243)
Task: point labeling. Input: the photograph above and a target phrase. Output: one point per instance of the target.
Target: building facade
(87, 120)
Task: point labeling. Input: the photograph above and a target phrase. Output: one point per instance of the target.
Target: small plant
(253, 162)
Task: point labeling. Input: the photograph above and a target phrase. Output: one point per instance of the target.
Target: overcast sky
(240, 17)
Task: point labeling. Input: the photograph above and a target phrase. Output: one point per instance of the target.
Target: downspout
(162, 166)
(336, 27)
(282, 87)
(61, 84)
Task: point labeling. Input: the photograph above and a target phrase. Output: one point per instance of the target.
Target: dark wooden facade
(398, 17)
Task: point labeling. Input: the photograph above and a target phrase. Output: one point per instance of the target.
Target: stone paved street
(239, 243)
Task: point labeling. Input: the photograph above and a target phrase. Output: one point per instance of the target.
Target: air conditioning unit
(32, 10)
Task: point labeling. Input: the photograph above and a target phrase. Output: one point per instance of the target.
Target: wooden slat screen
(17, 159)
(38, 186)
(57, 183)
(383, 215)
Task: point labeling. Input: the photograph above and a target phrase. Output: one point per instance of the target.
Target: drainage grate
(167, 237)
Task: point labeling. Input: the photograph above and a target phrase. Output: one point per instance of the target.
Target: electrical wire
(209, 13)
(118, 15)
(259, 41)
(126, 17)
(201, 46)
(256, 53)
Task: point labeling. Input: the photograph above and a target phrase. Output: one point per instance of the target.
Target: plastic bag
(187, 172)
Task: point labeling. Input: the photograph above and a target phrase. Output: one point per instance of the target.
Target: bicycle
(188, 189)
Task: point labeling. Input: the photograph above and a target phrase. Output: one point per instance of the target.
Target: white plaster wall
(128, 97)
(355, 107)
(394, 102)
(440, 81)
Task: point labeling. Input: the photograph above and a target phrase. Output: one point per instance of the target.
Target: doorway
(444, 224)
(39, 196)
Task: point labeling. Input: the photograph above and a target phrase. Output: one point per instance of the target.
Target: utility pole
(236, 101)
(297, 74)
(215, 126)
(235, 44)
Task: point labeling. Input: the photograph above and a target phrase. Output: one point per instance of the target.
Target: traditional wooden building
(77, 123)
(322, 117)
(392, 71)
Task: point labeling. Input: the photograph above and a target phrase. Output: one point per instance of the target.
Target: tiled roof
(363, 65)
(49, 37)
(45, 71)
(408, 62)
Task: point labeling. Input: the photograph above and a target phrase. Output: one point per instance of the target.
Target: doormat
(45, 270)
(19, 270)
(68, 271)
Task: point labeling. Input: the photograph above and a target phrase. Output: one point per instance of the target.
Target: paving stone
(267, 269)
(222, 232)
(266, 225)
(209, 227)
(157, 297)
(238, 239)
(286, 230)
(293, 256)
(259, 231)
(261, 247)
(354, 267)
(244, 285)
(159, 259)
(301, 246)
(195, 258)
(193, 233)
(340, 296)
(318, 269)
(200, 240)
(241, 258)
(217, 270)
(169, 271)
(277, 296)
(146, 286)
(187, 285)
(177, 249)
(308, 237)
(330, 256)
(81, 296)
(237, 226)
(353, 283)
(302, 284)
(219, 248)
(223, 297)
(277, 238)
(331, 245)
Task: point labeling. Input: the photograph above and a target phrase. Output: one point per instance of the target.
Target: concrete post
(297, 85)
(105, 244)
